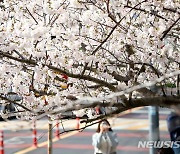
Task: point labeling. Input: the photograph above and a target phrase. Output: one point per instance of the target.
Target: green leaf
(170, 85)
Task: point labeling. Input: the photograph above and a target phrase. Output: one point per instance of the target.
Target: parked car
(9, 108)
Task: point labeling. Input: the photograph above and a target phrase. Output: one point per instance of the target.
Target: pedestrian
(173, 122)
(104, 140)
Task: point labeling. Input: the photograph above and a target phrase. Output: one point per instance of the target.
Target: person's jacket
(105, 142)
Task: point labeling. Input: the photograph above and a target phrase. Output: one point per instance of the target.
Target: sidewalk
(118, 123)
(135, 119)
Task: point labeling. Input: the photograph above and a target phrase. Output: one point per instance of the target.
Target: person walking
(104, 140)
(173, 123)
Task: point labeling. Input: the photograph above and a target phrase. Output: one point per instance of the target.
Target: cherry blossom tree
(74, 55)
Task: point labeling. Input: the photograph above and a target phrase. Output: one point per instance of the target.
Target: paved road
(130, 128)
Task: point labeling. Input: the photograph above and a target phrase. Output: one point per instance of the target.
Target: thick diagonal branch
(77, 76)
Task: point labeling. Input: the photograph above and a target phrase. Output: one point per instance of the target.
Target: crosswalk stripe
(146, 111)
(138, 127)
(46, 142)
(123, 123)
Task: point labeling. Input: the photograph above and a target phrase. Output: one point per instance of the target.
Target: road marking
(133, 121)
(65, 136)
(134, 135)
(90, 147)
(138, 126)
(129, 111)
(17, 146)
(46, 142)
(146, 111)
(16, 140)
(24, 125)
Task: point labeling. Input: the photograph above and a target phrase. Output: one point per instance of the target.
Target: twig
(32, 15)
(168, 30)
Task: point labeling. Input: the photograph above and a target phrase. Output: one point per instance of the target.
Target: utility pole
(153, 127)
(50, 136)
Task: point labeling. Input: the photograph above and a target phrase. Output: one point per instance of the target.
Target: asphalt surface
(81, 143)
(128, 134)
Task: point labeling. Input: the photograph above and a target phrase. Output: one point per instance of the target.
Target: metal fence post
(153, 126)
(1, 142)
(50, 137)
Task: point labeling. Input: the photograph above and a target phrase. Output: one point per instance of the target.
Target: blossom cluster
(54, 48)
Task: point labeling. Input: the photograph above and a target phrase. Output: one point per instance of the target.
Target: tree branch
(78, 76)
(168, 30)
(152, 13)
(14, 102)
(32, 16)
